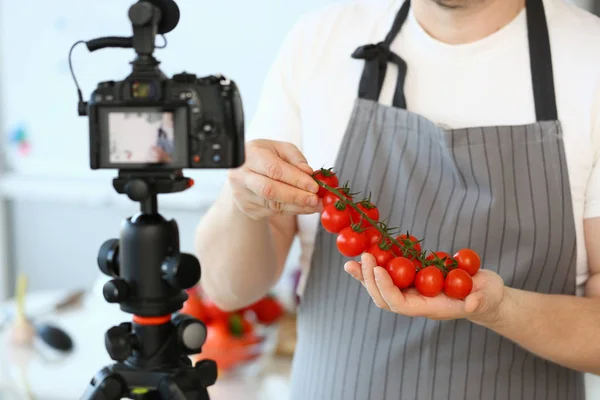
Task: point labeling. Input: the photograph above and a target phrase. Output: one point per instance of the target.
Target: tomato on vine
(332, 198)
(335, 217)
(458, 284)
(429, 281)
(468, 260)
(373, 236)
(402, 271)
(441, 257)
(382, 253)
(369, 209)
(351, 241)
(328, 177)
(410, 246)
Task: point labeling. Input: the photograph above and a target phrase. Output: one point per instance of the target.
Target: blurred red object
(233, 338)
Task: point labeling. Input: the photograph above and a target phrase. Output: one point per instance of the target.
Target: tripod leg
(170, 389)
(106, 385)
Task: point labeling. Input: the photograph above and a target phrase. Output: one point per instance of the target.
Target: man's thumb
(474, 303)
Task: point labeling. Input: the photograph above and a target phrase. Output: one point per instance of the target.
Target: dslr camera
(148, 122)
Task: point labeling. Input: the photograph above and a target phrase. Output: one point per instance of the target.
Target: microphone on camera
(170, 14)
(139, 15)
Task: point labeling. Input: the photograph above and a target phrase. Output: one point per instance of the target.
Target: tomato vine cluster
(359, 230)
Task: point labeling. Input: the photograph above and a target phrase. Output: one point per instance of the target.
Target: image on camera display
(141, 137)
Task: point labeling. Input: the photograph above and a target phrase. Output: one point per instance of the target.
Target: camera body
(152, 123)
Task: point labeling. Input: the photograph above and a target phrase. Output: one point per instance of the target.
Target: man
(476, 125)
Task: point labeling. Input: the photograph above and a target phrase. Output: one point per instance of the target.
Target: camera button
(216, 158)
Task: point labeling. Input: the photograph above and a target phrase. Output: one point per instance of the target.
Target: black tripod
(150, 276)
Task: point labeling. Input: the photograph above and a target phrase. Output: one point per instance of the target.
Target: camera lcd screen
(141, 137)
(144, 137)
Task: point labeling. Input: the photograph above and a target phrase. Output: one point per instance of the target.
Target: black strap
(379, 55)
(540, 59)
(376, 58)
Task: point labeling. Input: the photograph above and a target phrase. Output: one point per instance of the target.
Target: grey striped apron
(503, 191)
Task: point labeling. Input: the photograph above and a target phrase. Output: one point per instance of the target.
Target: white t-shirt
(311, 88)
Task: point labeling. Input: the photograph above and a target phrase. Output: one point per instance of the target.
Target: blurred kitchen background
(55, 212)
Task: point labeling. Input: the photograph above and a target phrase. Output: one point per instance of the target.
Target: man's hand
(275, 179)
(482, 306)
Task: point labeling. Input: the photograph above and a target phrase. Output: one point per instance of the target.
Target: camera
(149, 122)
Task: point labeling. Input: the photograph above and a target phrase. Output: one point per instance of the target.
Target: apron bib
(502, 191)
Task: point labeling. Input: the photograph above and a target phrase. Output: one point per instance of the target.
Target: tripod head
(149, 273)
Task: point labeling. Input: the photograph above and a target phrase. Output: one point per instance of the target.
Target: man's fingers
(354, 269)
(273, 190)
(290, 153)
(368, 265)
(389, 292)
(282, 208)
(273, 167)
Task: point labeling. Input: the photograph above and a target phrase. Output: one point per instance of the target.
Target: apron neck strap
(377, 56)
(540, 60)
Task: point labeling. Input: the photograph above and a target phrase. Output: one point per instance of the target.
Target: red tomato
(331, 198)
(194, 307)
(372, 235)
(327, 177)
(410, 244)
(226, 349)
(218, 332)
(468, 260)
(369, 209)
(351, 243)
(429, 281)
(417, 263)
(458, 284)
(402, 271)
(382, 256)
(449, 262)
(335, 218)
(213, 312)
(267, 310)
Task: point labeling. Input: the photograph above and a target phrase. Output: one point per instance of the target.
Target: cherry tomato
(372, 235)
(449, 262)
(335, 218)
(268, 310)
(429, 281)
(458, 284)
(382, 255)
(417, 263)
(351, 243)
(402, 271)
(369, 209)
(327, 177)
(213, 312)
(331, 198)
(468, 260)
(410, 244)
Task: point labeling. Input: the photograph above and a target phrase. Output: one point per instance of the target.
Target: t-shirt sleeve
(592, 196)
(277, 116)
